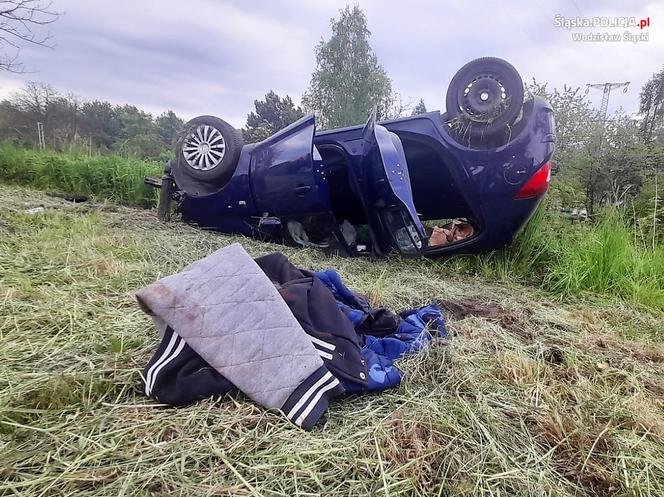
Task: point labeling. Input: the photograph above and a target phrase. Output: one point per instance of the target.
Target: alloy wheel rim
(204, 148)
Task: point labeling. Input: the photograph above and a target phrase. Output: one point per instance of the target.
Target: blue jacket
(412, 330)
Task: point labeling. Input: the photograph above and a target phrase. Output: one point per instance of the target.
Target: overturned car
(429, 184)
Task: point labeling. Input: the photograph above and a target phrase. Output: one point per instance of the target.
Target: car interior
(436, 197)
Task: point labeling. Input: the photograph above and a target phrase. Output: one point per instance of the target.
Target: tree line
(347, 82)
(98, 126)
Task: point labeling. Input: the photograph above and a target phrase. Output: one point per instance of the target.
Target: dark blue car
(483, 166)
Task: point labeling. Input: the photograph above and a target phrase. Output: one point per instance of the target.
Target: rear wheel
(209, 149)
(484, 99)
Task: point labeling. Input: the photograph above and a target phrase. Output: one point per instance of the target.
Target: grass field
(105, 177)
(530, 396)
(605, 257)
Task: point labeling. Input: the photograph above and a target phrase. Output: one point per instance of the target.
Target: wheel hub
(204, 148)
(484, 98)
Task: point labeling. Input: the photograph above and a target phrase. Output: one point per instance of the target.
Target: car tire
(485, 98)
(165, 196)
(209, 149)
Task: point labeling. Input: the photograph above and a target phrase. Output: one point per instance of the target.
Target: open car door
(383, 184)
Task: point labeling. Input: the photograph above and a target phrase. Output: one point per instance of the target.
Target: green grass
(110, 177)
(530, 397)
(606, 258)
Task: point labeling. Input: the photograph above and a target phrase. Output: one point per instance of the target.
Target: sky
(216, 57)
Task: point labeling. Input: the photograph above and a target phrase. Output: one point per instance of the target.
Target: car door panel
(382, 181)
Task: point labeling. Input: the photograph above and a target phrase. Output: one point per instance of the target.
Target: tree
(134, 122)
(651, 107)
(19, 21)
(16, 125)
(420, 108)
(145, 146)
(621, 161)
(63, 120)
(100, 123)
(169, 127)
(271, 115)
(348, 80)
(34, 98)
(32, 104)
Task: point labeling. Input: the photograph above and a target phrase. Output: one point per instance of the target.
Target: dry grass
(529, 397)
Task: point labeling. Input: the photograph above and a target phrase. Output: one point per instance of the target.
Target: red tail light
(536, 185)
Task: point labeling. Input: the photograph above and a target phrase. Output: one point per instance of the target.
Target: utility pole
(606, 88)
(604, 107)
(40, 136)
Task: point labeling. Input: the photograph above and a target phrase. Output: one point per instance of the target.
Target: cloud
(213, 57)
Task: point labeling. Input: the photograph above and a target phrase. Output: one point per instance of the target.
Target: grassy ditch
(607, 257)
(530, 396)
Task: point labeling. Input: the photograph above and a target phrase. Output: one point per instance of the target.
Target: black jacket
(187, 377)
(317, 311)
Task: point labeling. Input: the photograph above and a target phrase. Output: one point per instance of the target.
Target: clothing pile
(288, 338)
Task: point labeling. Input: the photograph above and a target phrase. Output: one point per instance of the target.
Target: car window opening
(437, 196)
(439, 203)
(346, 205)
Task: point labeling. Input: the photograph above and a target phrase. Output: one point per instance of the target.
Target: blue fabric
(348, 302)
(383, 374)
(379, 353)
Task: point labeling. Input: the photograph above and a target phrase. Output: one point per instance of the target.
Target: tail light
(536, 185)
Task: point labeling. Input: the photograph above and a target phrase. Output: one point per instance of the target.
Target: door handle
(302, 189)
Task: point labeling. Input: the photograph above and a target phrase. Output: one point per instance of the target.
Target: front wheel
(209, 149)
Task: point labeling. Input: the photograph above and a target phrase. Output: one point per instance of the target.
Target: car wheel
(165, 195)
(209, 149)
(485, 97)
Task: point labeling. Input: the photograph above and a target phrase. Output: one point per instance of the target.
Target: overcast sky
(217, 57)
